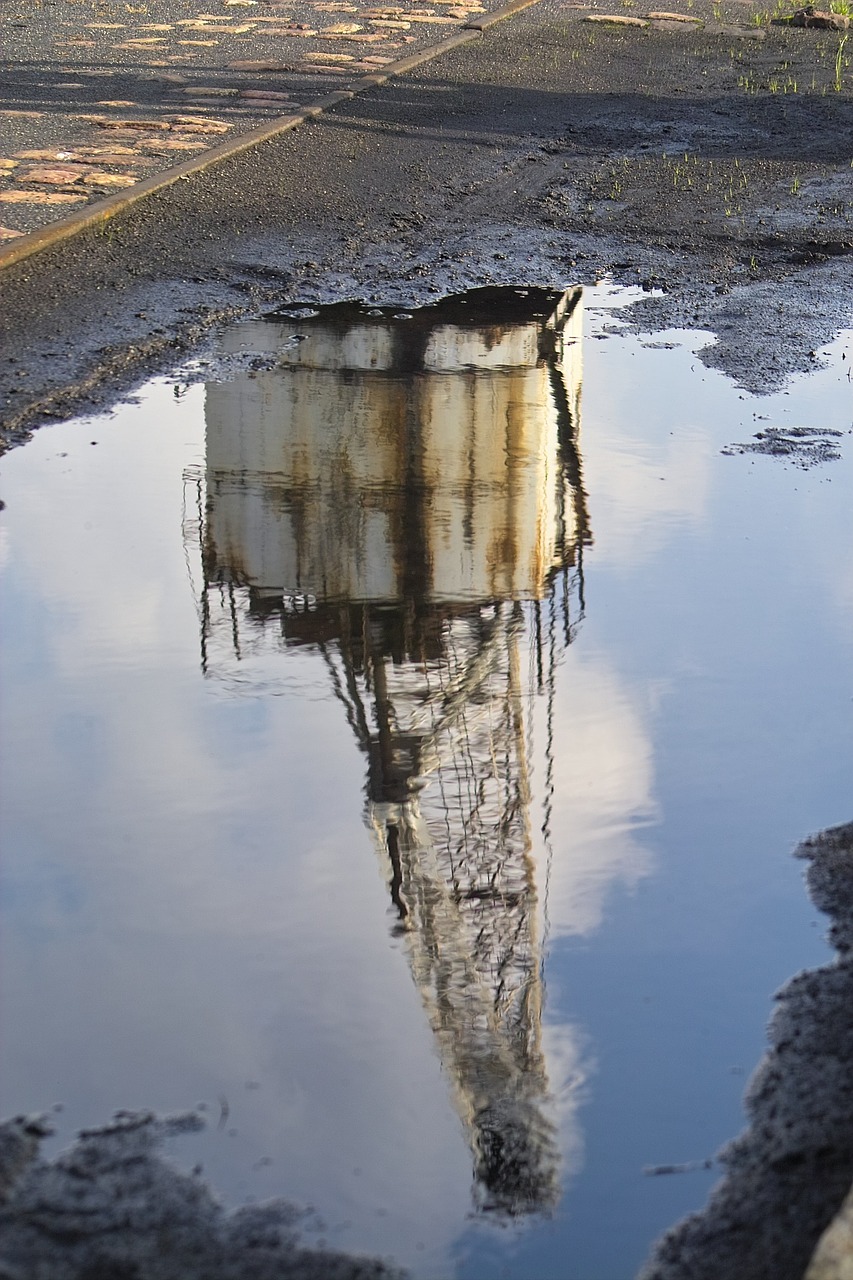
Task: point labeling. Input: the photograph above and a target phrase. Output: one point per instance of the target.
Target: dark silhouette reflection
(788, 1173)
(403, 496)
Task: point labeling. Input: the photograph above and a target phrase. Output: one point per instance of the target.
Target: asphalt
(96, 97)
(706, 161)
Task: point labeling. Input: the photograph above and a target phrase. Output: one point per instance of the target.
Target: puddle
(405, 739)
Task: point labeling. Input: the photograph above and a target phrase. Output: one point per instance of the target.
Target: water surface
(404, 740)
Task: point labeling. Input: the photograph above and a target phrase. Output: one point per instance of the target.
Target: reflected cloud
(645, 494)
(605, 796)
(647, 488)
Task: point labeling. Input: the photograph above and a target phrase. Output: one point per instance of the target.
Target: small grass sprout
(839, 62)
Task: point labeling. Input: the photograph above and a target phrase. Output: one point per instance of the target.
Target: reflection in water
(405, 498)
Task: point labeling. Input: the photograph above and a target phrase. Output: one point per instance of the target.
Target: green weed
(839, 57)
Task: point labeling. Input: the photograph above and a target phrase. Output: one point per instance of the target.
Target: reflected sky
(197, 884)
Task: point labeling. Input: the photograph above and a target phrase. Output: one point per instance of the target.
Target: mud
(705, 162)
(788, 1174)
(802, 447)
(112, 1205)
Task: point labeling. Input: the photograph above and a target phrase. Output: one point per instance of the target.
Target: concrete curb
(56, 233)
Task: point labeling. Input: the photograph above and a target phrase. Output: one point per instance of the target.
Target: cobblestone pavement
(97, 94)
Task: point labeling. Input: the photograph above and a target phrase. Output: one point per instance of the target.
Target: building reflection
(403, 497)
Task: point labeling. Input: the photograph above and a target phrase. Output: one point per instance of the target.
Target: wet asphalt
(705, 162)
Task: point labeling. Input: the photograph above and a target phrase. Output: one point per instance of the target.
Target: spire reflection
(403, 497)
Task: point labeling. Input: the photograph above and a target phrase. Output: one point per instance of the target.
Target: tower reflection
(403, 496)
